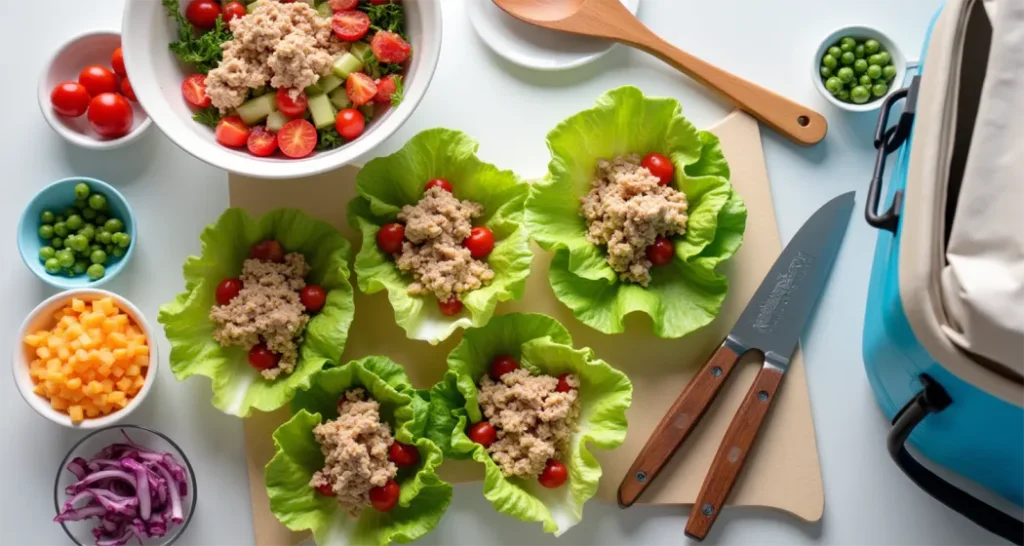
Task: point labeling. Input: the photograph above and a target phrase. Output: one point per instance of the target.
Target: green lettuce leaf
(387, 184)
(424, 496)
(542, 346)
(237, 387)
(681, 297)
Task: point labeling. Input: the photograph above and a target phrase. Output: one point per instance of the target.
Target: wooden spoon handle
(797, 122)
(732, 452)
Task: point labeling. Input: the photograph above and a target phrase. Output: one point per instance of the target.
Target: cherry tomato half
(232, 132)
(554, 474)
(661, 252)
(563, 384)
(203, 13)
(386, 87)
(110, 115)
(439, 183)
(390, 237)
(325, 489)
(98, 80)
(262, 358)
(127, 90)
(403, 454)
(261, 142)
(351, 25)
(291, 107)
(233, 10)
(227, 290)
(269, 250)
(389, 47)
(501, 365)
(350, 123)
(343, 5)
(360, 88)
(386, 497)
(297, 138)
(483, 433)
(480, 242)
(660, 166)
(451, 307)
(194, 91)
(117, 62)
(70, 99)
(313, 297)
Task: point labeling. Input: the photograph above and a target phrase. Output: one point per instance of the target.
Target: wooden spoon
(611, 20)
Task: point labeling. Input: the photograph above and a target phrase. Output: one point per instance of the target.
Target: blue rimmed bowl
(56, 197)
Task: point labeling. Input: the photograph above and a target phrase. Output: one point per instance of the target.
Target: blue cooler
(957, 408)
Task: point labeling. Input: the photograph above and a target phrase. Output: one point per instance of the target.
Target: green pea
(843, 95)
(104, 237)
(81, 190)
(114, 225)
(871, 45)
(57, 243)
(866, 80)
(46, 253)
(75, 222)
(888, 72)
(858, 51)
(96, 271)
(845, 74)
(875, 59)
(88, 232)
(47, 217)
(60, 229)
(874, 72)
(847, 40)
(830, 61)
(835, 52)
(848, 58)
(80, 267)
(94, 248)
(59, 219)
(52, 266)
(860, 94)
(860, 66)
(101, 219)
(109, 249)
(879, 89)
(69, 211)
(884, 56)
(98, 257)
(77, 242)
(97, 202)
(66, 258)
(89, 214)
(825, 71)
(125, 240)
(46, 231)
(119, 252)
(833, 84)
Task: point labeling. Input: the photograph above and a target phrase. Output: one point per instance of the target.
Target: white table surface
(509, 109)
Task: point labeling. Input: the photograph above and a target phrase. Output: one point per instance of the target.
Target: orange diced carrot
(124, 384)
(74, 383)
(77, 305)
(133, 370)
(76, 414)
(43, 352)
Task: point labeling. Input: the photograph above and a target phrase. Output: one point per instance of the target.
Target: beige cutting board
(782, 473)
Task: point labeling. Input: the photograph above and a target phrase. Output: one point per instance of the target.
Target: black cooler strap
(933, 399)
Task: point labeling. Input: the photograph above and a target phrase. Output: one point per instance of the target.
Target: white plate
(531, 46)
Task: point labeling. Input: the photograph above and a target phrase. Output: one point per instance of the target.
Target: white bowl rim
(899, 60)
(43, 97)
(275, 169)
(19, 365)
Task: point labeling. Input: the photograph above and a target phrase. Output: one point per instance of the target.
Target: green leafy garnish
(203, 51)
(399, 93)
(387, 17)
(375, 69)
(329, 139)
(209, 116)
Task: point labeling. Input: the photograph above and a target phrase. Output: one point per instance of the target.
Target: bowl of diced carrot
(85, 358)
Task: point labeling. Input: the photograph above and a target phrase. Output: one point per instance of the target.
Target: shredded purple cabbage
(133, 491)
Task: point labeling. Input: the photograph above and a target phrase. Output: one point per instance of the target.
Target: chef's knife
(771, 324)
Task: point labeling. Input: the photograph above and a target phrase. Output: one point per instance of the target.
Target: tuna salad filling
(534, 417)
(631, 212)
(355, 448)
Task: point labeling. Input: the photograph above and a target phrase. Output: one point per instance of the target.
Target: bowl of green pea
(856, 67)
(77, 232)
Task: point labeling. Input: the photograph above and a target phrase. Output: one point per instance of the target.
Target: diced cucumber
(276, 120)
(346, 64)
(368, 110)
(310, 3)
(259, 91)
(360, 50)
(330, 82)
(325, 10)
(340, 100)
(255, 110)
(314, 90)
(251, 7)
(322, 110)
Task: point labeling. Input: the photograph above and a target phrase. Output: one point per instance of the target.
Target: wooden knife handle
(677, 424)
(733, 451)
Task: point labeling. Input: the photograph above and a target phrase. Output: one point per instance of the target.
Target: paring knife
(771, 324)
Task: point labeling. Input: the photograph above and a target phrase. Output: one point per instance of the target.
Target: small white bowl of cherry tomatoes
(85, 94)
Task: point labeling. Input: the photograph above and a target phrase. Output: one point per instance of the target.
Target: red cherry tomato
(269, 250)
(385, 498)
(386, 87)
(660, 166)
(439, 183)
(70, 99)
(232, 132)
(360, 88)
(343, 5)
(227, 290)
(501, 365)
(203, 13)
(350, 123)
(325, 489)
(194, 91)
(127, 90)
(261, 142)
(110, 115)
(554, 474)
(313, 297)
(117, 63)
(563, 384)
(351, 25)
(403, 454)
(483, 433)
(98, 80)
(390, 237)
(262, 358)
(480, 242)
(233, 10)
(290, 107)
(389, 47)
(297, 138)
(661, 252)
(451, 307)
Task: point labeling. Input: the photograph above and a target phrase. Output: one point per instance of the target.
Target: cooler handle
(888, 140)
(933, 399)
